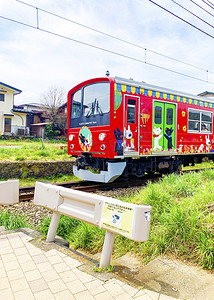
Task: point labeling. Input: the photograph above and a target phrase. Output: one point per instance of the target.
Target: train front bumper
(114, 171)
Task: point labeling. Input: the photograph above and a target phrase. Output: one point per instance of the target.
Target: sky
(36, 59)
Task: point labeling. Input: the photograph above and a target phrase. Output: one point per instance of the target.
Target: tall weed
(87, 237)
(11, 221)
(65, 227)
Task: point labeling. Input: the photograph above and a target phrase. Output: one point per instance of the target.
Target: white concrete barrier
(9, 192)
(115, 216)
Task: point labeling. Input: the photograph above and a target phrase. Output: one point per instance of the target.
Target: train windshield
(90, 105)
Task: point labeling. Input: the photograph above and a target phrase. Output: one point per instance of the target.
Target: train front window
(96, 99)
(91, 105)
(76, 107)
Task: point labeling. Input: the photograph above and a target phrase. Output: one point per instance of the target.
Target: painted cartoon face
(85, 139)
(157, 131)
(128, 133)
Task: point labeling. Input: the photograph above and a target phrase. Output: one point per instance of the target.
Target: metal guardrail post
(105, 259)
(53, 227)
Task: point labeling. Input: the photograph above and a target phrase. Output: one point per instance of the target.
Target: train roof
(144, 85)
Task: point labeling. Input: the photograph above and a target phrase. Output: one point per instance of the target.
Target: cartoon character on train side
(129, 139)
(168, 136)
(119, 138)
(157, 136)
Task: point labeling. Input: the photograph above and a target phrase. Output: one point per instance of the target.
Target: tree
(51, 100)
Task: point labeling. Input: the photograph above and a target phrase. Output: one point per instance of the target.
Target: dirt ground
(170, 277)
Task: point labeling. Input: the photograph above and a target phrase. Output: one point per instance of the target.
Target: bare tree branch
(51, 100)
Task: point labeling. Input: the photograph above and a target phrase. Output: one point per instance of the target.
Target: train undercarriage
(107, 170)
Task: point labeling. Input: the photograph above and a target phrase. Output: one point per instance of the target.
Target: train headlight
(102, 136)
(71, 137)
(72, 146)
(102, 147)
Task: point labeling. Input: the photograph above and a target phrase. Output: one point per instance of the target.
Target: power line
(210, 4)
(202, 8)
(114, 37)
(210, 35)
(192, 13)
(105, 50)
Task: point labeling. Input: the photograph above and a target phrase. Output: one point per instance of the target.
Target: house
(207, 94)
(25, 119)
(62, 118)
(12, 121)
(34, 116)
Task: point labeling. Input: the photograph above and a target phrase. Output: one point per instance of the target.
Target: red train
(119, 126)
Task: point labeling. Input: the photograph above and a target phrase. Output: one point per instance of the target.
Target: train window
(206, 116)
(199, 121)
(194, 115)
(96, 99)
(206, 121)
(131, 111)
(169, 116)
(194, 120)
(76, 104)
(158, 114)
(91, 105)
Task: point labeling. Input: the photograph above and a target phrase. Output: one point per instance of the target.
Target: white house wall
(7, 104)
(1, 122)
(18, 120)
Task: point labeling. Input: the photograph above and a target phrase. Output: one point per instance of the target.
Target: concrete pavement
(30, 272)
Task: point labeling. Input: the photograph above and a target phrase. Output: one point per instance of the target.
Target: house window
(200, 121)
(7, 125)
(1, 97)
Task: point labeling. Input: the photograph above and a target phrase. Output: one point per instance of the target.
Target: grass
(12, 221)
(79, 234)
(53, 179)
(29, 150)
(182, 221)
(205, 164)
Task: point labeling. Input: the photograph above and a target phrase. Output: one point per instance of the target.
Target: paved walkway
(27, 272)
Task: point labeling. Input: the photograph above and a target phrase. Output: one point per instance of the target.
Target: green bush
(51, 131)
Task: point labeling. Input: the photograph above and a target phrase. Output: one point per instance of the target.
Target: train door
(164, 126)
(131, 125)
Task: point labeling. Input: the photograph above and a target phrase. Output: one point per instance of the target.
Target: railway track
(27, 193)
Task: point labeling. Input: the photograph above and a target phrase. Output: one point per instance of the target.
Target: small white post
(43, 133)
(53, 227)
(107, 249)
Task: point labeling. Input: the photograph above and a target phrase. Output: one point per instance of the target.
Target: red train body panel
(140, 127)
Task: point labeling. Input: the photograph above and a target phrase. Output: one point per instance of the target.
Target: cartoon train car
(118, 126)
